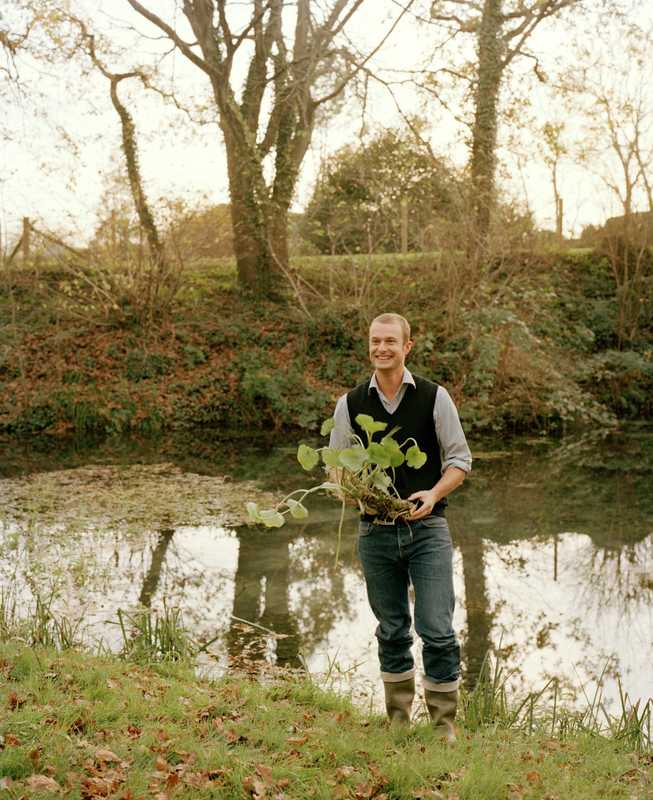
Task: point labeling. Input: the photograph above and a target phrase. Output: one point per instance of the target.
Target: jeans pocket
(436, 527)
(435, 522)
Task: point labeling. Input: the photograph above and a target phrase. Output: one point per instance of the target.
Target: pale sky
(62, 142)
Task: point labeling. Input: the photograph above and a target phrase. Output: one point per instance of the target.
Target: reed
(489, 704)
(151, 636)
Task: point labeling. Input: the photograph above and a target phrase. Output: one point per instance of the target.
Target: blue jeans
(393, 556)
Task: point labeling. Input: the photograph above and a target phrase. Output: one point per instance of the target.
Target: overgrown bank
(87, 727)
(532, 345)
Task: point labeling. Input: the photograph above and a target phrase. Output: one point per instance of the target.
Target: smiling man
(417, 549)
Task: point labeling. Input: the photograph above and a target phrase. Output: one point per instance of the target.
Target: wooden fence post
(404, 225)
(25, 242)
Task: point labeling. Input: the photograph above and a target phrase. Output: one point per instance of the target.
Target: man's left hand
(427, 500)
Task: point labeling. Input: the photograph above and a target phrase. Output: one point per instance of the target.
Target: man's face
(388, 350)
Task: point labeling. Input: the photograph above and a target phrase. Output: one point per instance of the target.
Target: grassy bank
(83, 726)
(531, 345)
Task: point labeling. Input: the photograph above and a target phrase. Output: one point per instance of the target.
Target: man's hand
(452, 478)
(427, 500)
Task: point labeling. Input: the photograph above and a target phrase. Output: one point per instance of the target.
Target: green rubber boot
(442, 710)
(398, 700)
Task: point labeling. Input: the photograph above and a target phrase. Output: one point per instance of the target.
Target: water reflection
(261, 596)
(153, 574)
(479, 618)
(553, 569)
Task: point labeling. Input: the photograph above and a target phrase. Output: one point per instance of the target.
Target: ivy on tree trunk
(484, 132)
(267, 125)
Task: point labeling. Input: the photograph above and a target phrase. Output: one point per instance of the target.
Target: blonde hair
(390, 318)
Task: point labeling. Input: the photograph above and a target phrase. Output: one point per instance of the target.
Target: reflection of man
(418, 549)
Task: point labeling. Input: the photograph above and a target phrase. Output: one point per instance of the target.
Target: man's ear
(408, 346)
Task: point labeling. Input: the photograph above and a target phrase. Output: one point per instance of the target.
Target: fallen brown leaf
(197, 780)
(254, 787)
(77, 726)
(97, 787)
(13, 701)
(105, 756)
(297, 739)
(172, 780)
(344, 772)
(264, 772)
(42, 783)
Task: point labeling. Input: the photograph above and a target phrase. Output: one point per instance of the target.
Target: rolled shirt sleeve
(342, 433)
(454, 449)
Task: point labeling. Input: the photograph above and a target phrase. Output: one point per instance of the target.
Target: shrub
(622, 380)
(140, 365)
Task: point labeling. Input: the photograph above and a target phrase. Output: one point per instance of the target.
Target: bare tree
(556, 150)
(615, 96)
(267, 124)
(129, 143)
(502, 29)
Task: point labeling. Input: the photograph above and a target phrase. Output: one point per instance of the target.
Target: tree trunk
(130, 151)
(559, 220)
(278, 241)
(484, 135)
(254, 261)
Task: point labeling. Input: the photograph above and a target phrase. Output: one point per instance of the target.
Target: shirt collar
(407, 378)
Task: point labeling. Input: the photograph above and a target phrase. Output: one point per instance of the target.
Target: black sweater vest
(415, 418)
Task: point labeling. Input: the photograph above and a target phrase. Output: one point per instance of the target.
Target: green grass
(99, 726)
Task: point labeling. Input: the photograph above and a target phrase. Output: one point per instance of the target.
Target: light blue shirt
(454, 450)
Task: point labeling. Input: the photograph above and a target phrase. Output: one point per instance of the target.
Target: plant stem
(340, 524)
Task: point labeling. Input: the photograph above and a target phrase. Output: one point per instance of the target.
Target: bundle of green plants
(362, 475)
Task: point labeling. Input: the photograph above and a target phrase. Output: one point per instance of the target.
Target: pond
(553, 557)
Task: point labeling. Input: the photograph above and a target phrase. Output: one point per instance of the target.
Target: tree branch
(185, 47)
(340, 86)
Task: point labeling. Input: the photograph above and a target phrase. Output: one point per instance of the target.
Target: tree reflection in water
(261, 597)
(153, 574)
(477, 639)
(286, 581)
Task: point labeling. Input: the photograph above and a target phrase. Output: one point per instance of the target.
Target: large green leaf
(393, 450)
(327, 426)
(353, 458)
(297, 510)
(415, 458)
(330, 456)
(271, 518)
(379, 455)
(307, 457)
(381, 481)
(252, 511)
(369, 424)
